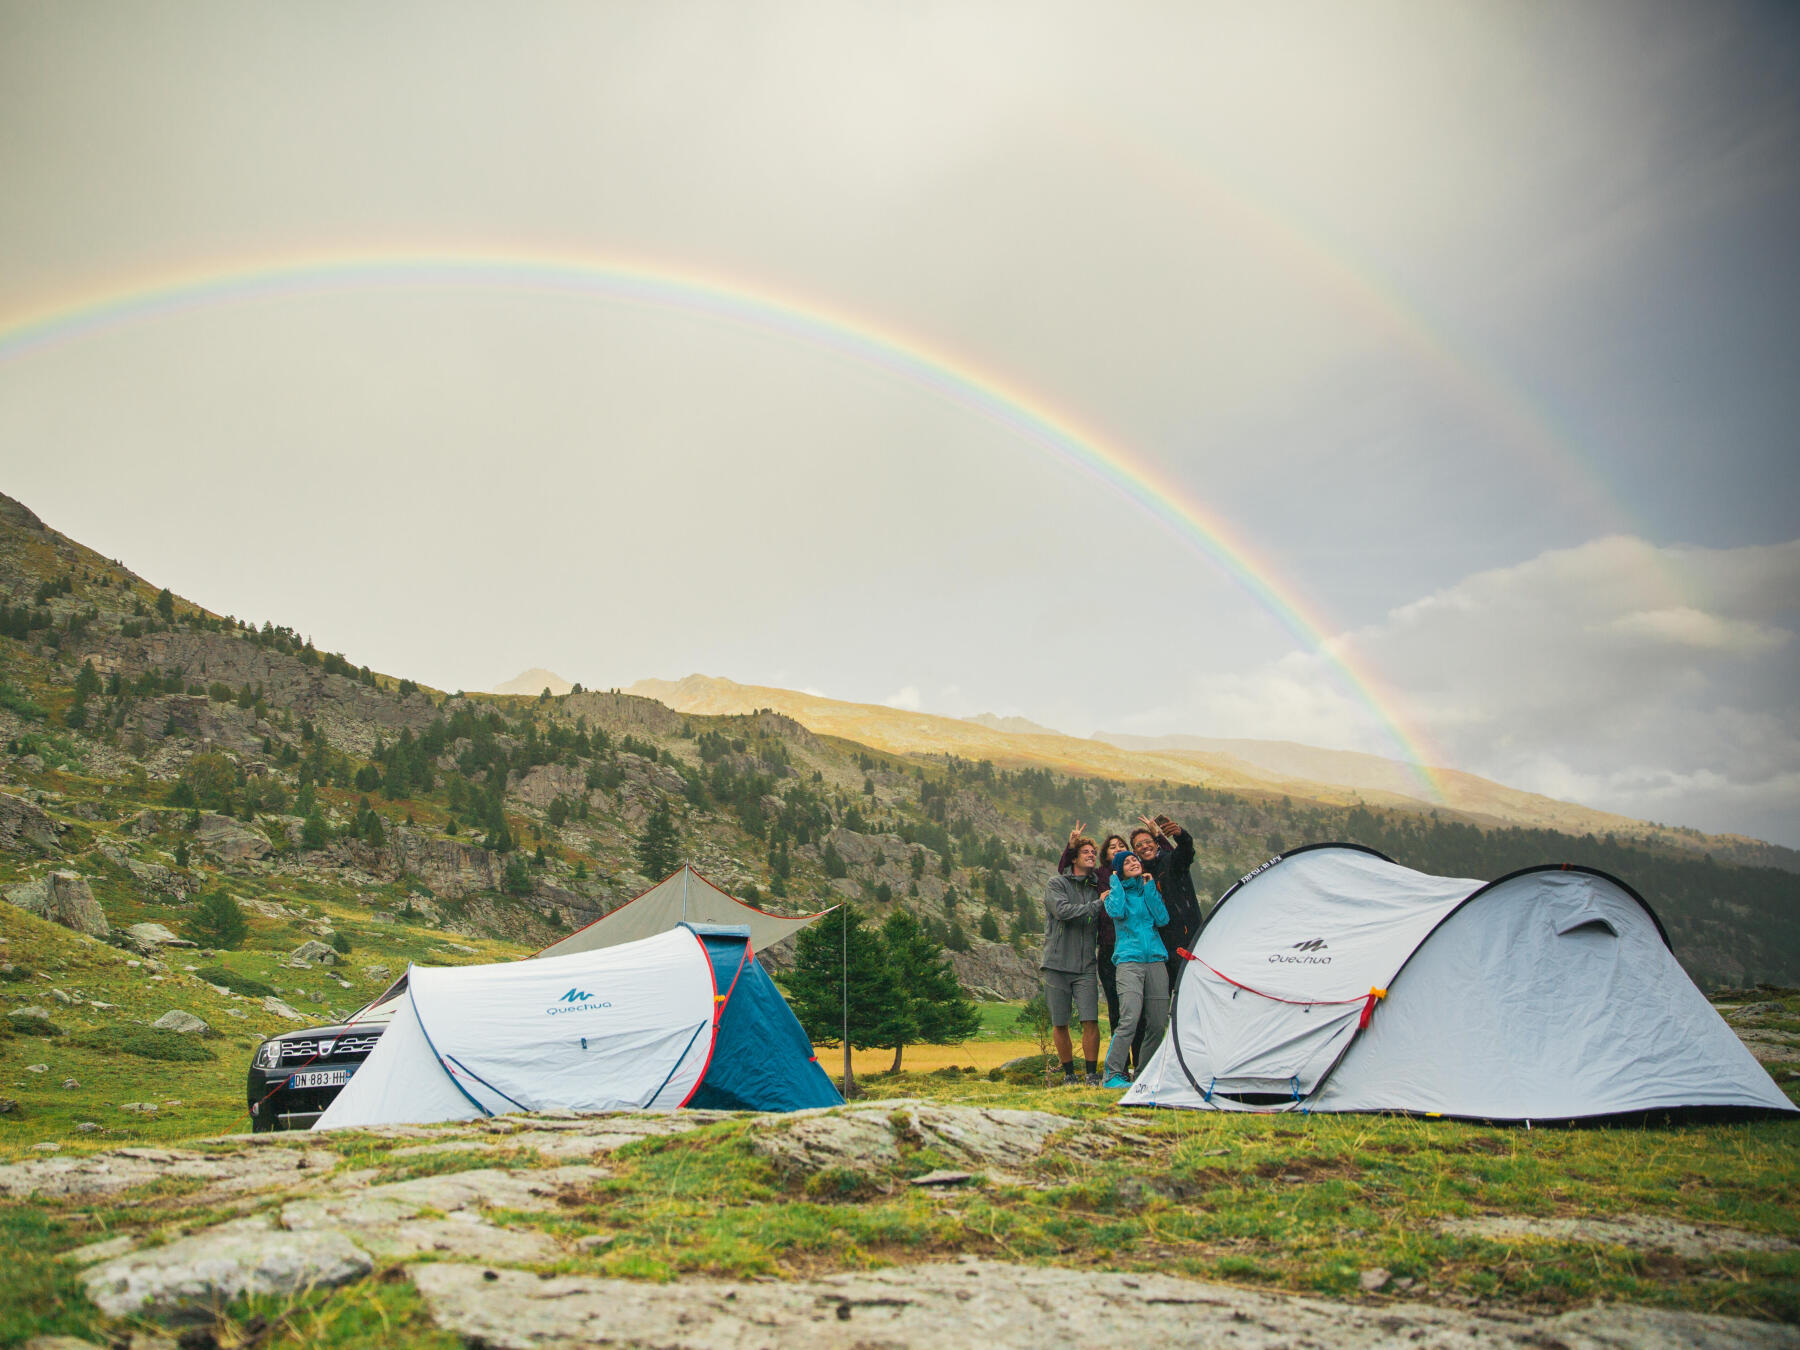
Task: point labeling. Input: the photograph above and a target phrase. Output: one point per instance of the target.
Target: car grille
(328, 1047)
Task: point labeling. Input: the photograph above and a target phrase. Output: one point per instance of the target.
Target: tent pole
(684, 876)
(845, 908)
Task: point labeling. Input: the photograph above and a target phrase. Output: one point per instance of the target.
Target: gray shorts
(1063, 988)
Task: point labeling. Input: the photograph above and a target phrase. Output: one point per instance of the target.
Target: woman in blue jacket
(1137, 911)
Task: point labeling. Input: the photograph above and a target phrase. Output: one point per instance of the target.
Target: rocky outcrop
(24, 827)
(449, 866)
(993, 971)
(65, 898)
(98, 1175)
(865, 1138)
(231, 841)
(1002, 1306)
(190, 1278)
(312, 953)
(560, 903)
(544, 783)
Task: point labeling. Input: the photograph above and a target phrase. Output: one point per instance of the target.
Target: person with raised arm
(1167, 852)
(1138, 913)
(1110, 847)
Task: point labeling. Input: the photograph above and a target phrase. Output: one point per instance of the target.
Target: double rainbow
(951, 377)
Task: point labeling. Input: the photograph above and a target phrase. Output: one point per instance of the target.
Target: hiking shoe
(1090, 1080)
(1117, 1081)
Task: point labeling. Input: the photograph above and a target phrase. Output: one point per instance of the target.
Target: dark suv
(294, 1076)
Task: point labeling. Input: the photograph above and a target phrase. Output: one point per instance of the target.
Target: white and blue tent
(1334, 979)
(683, 1018)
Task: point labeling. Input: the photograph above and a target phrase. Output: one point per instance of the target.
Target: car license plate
(320, 1078)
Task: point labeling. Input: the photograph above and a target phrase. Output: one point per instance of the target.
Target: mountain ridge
(1220, 763)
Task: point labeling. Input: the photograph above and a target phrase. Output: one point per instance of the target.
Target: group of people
(1115, 916)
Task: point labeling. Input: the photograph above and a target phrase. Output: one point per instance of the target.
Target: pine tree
(659, 850)
(165, 605)
(219, 922)
(941, 1013)
(313, 833)
(879, 1012)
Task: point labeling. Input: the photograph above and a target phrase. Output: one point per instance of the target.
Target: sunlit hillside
(1330, 776)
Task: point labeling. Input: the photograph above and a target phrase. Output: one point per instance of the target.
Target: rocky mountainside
(160, 752)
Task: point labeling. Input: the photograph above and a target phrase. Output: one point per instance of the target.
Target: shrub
(32, 1026)
(145, 1043)
(340, 942)
(17, 702)
(238, 984)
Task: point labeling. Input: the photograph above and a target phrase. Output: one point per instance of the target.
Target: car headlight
(268, 1055)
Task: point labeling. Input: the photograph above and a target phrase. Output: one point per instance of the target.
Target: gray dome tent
(1334, 979)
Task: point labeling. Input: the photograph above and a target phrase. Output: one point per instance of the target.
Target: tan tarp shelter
(682, 897)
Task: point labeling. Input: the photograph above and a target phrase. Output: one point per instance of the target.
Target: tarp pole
(845, 908)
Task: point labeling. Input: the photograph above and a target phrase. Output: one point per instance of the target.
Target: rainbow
(952, 378)
(1200, 181)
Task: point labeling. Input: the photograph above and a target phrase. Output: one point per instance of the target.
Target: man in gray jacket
(1071, 959)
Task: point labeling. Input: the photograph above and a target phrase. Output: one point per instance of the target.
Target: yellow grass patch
(984, 1055)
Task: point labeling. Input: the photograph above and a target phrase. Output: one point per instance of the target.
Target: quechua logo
(1309, 951)
(577, 1000)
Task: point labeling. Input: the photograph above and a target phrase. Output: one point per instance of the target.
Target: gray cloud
(1568, 675)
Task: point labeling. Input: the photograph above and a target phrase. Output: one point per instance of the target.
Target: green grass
(235, 981)
(999, 1022)
(145, 1042)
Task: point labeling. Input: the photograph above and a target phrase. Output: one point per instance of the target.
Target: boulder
(184, 1022)
(231, 841)
(63, 897)
(24, 826)
(147, 937)
(312, 953)
(280, 1009)
(188, 1279)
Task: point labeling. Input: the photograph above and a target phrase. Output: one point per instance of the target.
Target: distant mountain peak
(534, 681)
(1012, 726)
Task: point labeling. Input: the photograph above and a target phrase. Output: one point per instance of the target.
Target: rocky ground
(891, 1222)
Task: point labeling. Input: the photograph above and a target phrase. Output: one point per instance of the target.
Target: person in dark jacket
(1069, 962)
(1110, 847)
(1167, 852)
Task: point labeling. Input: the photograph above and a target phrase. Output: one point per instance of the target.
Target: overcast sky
(1475, 321)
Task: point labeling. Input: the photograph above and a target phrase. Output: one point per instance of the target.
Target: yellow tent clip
(1377, 993)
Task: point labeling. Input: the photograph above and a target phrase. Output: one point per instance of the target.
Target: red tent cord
(1368, 1000)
